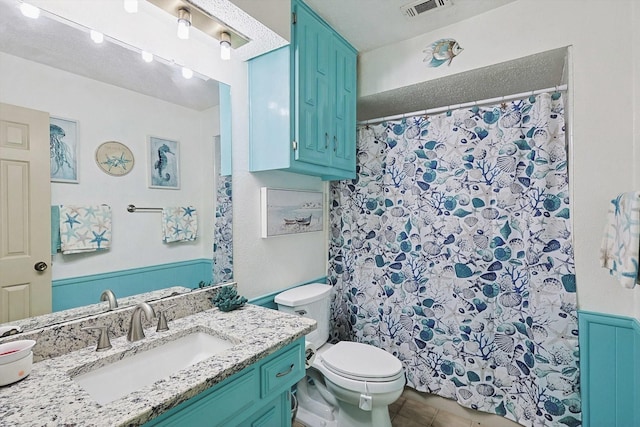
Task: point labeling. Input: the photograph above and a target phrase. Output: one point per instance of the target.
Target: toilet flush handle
(301, 312)
(366, 401)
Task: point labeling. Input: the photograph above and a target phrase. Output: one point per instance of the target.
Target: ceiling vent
(421, 6)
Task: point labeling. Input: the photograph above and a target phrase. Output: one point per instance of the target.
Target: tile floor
(410, 411)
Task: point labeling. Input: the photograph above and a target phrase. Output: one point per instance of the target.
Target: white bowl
(16, 370)
(15, 350)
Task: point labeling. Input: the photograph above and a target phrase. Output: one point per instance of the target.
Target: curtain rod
(466, 104)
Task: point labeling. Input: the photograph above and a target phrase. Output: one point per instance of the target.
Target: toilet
(348, 384)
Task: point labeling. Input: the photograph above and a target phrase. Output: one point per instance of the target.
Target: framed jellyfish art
(63, 144)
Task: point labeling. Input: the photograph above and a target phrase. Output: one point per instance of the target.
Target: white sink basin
(120, 378)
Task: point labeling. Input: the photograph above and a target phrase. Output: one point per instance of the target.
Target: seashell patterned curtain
(223, 231)
(452, 250)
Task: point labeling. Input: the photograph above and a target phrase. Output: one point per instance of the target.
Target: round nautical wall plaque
(114, 158)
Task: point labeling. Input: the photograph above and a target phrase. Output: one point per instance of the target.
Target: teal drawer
(283, 371)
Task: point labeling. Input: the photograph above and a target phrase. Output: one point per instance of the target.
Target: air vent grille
(421, 6)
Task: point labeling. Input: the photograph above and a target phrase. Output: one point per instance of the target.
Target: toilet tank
(310, 301)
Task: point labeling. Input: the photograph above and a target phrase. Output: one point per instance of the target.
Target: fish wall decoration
(441, 51)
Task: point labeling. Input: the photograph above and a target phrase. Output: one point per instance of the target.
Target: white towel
(179, 224)
(84, 228)
(621, 242)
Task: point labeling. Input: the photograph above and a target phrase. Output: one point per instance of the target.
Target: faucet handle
(103, 339)
(162, 319)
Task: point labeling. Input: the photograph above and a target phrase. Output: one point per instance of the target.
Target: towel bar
(133, 208)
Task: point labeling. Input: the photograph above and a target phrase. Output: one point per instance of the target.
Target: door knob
(40, 266)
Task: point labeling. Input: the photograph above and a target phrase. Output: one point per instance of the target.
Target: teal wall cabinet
(609, 370)
(303, 102)
(257, 396)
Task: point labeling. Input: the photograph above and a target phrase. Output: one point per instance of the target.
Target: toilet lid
(361, 362)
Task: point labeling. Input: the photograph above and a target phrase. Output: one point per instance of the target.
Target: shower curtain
(223, 231)
(451, 249)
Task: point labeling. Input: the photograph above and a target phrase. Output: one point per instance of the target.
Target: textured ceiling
(368, 24)
(67, 46)
(516, 76)
(365, 23)
(59, 45)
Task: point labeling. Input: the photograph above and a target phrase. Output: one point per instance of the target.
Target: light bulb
(29, 10)
(131, 6)
(146, 56)
(183, 30)
(225, 46)
(187, 73)
(97, 36)
(184, 22)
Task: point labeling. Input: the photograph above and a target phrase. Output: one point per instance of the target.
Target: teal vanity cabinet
(257, 396)
(303, 102)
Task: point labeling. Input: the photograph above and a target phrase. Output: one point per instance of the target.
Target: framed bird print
(164, 163)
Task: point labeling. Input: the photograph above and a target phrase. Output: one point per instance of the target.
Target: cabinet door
(275, 414)
(312, 40)
(343, 113)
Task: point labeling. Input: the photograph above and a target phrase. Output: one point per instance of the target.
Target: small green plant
(227, 299)
(203, 284)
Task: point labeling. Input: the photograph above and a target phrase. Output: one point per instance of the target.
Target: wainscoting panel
(610, 370)
(77, 291)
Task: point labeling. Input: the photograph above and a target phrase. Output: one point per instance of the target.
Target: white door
(25, 215)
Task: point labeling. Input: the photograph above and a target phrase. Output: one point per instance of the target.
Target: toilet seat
(362, 386)
(361, 362)
(360, 367)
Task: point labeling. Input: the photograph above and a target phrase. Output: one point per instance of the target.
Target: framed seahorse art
(164, 163)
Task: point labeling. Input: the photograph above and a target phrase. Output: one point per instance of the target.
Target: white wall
(635, 45)
(109, 113)
(260, 265)
(605, 144)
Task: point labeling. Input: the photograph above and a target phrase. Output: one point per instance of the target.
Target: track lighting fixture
(225, 46)
(184, 22)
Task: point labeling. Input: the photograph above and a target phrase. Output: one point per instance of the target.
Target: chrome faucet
(136, 332)
(108, 295)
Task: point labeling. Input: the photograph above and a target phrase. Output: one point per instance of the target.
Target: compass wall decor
(114, 158)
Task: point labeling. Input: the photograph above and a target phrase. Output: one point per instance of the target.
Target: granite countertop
(50, 397)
